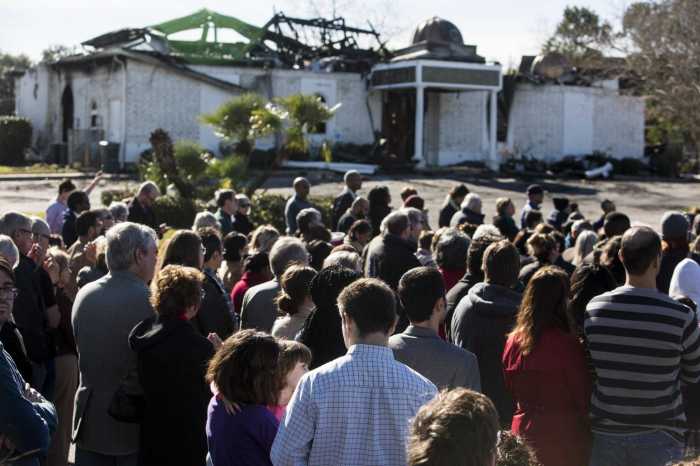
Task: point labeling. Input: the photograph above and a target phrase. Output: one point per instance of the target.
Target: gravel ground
(643, 201)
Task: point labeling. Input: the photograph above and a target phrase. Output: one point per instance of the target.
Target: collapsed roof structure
(283, 42)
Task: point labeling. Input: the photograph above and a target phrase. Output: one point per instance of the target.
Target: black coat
(506, 225)
(242, 224)
(446, 213)
(345, 222)
(340, 205)
(214, 314)
(323, 334)
(12, 341)
(669, 260)
(29, 311)
(388, 257)
(68, 231)
(142, 215)
(466, 216)
(172, 360)
(455, 295)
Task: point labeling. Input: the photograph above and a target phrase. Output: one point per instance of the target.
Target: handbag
(128, 403)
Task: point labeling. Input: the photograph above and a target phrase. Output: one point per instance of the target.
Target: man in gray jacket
(104, 313)
(422, 295)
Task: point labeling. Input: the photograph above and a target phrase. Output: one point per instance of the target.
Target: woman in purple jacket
(244, 374)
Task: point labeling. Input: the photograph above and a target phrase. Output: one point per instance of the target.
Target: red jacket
(551, 389)
(248, 280)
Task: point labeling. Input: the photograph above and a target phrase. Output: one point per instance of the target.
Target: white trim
(418, 66)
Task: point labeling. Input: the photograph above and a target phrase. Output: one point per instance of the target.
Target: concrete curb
(62, 176)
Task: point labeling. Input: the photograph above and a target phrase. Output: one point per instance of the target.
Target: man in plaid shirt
(356, 409)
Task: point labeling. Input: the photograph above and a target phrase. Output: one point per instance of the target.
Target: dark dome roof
(437, 30)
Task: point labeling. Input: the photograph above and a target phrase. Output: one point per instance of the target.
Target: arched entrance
(67, 107)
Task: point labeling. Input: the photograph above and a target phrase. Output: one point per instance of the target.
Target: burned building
(432, 103)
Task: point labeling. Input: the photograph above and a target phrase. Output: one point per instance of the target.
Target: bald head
(302, 187)
(640, 250)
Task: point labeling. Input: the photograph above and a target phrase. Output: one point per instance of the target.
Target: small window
(95, 120)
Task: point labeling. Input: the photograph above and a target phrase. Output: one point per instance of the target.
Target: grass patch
(36, 168)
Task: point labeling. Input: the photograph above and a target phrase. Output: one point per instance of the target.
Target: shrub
(268, 209)
(176, 212)
(229, 172)
(15, 138)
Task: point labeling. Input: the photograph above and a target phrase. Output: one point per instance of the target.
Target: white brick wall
(550, 122)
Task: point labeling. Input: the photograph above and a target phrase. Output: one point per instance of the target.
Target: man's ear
(393, 326)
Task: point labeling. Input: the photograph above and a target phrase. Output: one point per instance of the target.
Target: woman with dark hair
(235, 249)
(379, 199)
(244, 372)
(452, 205)
(545, 371)
(187, 249)
(172, 360)
(322, 332)
(543, 248)
(359, 235)
(256, 270)
(184, 248)
(294, 300)
(587, 282)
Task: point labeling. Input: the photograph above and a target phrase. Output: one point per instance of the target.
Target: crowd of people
(551, 340)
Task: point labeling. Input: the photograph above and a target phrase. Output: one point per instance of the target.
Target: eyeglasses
(9, 291)
(24, 231)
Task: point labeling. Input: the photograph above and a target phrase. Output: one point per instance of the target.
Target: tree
(8, 64)
(581, 36)
(664, 49)
(56, 52)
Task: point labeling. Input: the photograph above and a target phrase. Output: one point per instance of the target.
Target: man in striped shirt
(643, 345)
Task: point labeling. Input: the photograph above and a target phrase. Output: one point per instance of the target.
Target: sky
(503, 30)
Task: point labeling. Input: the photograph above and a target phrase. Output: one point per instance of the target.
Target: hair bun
(285, 303)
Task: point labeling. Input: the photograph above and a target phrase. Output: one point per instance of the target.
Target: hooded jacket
(172, 360)
(480, 324)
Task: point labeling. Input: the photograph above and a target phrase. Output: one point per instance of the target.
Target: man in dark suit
(353, 183)
(141, 207)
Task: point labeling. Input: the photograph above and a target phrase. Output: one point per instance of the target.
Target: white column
(418, 144)
(493, 158)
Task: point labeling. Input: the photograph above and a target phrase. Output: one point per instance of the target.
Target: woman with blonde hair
(263, 238)
(584, 246)
(545, 371)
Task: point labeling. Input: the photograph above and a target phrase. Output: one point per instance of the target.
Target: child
(424, 253)
(293, 363)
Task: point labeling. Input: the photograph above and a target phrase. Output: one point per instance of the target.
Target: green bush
(176, 212)
(191, 159)
(229, 172)
(268, 209)
(15, 138)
